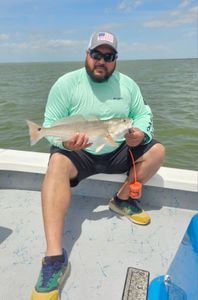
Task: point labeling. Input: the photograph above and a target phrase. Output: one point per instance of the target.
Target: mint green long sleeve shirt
(75, 93)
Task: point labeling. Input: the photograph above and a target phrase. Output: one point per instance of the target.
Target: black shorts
(116, 162)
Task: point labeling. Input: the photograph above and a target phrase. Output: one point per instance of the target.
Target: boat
(111, 258)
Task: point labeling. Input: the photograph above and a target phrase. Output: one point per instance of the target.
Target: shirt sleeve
(57, 107)
(141, 114)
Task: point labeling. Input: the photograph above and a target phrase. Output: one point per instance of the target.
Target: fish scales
(99, 131)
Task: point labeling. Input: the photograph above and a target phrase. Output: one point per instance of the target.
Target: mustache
(100, 66)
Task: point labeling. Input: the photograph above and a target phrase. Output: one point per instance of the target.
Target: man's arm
(142, 116)
(134, 137)
(57, 108)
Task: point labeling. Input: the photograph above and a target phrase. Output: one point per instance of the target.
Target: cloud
(4, 37)
(184, 3)
(64, 43)
(181, 15)
(129, 5)
(142, 47)
(111, 26)
(43, 44)
(191, 33)
(15, 46)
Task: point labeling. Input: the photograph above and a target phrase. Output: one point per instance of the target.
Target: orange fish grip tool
(136, 186)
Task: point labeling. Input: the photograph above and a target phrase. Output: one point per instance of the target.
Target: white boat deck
(101, 244)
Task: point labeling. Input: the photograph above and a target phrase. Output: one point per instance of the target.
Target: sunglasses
(97, 55)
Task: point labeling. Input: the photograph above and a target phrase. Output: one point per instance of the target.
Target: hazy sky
(59, 30)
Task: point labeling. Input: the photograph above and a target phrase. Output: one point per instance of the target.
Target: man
(101, 91)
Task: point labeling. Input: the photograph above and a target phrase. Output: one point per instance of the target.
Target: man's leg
(146, 166)
(56, 196)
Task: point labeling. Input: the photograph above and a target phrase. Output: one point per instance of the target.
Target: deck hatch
(136, 284)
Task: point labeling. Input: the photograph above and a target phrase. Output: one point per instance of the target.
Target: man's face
(99, 69)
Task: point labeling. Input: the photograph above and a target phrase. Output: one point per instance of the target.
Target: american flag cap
(103, 38)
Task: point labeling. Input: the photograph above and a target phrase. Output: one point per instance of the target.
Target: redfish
(99, 131)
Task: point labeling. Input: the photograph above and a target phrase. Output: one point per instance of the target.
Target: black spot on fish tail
(39, 129)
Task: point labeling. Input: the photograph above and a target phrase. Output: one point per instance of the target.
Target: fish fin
(34, 132)
(74, 119)
(91, 118)
(98, 148)
(68, 120)
(110, 139)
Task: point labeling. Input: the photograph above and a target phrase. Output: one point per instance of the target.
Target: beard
(95, 77)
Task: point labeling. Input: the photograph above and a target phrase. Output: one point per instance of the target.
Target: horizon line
(82, 61)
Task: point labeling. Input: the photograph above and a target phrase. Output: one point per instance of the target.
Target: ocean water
(169, 86)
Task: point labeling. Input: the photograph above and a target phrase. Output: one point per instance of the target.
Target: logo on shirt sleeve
(117, 98)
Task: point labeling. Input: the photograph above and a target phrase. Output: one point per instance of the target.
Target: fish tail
(34, 132)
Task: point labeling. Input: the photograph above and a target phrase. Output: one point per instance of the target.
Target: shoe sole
(64, 277)
(114, 208)
(55, 294)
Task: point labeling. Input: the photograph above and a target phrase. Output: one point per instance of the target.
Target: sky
(59, 30)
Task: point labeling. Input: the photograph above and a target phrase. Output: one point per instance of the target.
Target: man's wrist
(65, 147)
(145, 139)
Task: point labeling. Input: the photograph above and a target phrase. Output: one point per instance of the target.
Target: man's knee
(61, 164)
(161, 151)
(158, 152)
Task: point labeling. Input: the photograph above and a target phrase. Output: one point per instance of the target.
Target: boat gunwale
(36, 163)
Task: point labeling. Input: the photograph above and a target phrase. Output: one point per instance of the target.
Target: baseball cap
(103, 38)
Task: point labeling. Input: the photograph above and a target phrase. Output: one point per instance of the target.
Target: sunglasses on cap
(97, 55)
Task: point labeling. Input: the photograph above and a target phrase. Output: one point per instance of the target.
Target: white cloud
(129, 5)
(142, 47)
(111, 26)
(15, 46)
(191, 33)
(4, 37)
(181, 15)
(63, 43)
(184, 3)
(43, 44)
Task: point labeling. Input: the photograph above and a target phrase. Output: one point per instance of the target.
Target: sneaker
(53, 273)
(130, 209)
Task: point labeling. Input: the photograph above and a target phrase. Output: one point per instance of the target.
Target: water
(169, 86)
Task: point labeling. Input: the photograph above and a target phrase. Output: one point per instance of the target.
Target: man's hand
(77, 142)
(135, 137)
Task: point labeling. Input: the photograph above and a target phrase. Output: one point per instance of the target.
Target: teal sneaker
(130, 209)
(53, 274)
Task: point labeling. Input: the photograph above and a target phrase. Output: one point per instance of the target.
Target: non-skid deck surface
(101, 245)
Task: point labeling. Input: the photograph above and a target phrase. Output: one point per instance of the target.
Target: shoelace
(133, 208)
(134, 201)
